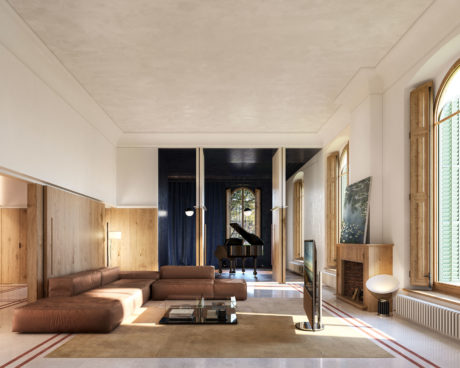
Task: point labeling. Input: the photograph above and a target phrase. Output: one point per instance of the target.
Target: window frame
(345, 149)
(257, 194)
(437, 285)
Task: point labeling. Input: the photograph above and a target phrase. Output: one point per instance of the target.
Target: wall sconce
(247, 211)
(189, 212)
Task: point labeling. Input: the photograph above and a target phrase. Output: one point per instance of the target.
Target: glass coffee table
(202, 311)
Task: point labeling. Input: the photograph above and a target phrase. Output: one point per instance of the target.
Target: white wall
(366, 157)
(396, 165)
(137, 177)
(13, 193)
(50, 128)
(313, 184)
(379, 125)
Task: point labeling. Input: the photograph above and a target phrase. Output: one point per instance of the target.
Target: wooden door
(279, 216)
(13, 233)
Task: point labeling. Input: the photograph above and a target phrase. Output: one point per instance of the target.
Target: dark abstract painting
(356, 212)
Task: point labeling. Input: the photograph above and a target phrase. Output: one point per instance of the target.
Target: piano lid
(252, 239)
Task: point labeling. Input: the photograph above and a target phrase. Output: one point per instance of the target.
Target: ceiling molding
(18, 38)
(218, 140)
(404, 60)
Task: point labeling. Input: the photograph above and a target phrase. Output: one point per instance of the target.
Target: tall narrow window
(343, 181)
(447, 156)
(243, 208)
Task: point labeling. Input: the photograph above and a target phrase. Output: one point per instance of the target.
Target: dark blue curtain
(181, 228)
(215, 202)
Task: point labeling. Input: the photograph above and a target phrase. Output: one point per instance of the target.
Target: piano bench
(224, 288)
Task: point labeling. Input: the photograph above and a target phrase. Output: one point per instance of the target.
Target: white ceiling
(216, 66)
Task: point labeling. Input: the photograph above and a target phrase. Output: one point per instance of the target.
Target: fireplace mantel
(376, 259)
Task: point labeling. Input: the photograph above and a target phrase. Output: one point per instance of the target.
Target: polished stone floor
(411, 345)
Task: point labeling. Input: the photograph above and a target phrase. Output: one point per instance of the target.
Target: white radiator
(436, 317)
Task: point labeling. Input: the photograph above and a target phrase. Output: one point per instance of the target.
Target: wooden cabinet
(376, 259)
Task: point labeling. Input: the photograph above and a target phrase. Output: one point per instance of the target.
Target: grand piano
(234, 248)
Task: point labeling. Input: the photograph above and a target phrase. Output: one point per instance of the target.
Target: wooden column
(35, 241)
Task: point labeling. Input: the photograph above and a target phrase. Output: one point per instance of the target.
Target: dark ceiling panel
(297, 157)
(177, 162)
(232, 163)
(251, 163)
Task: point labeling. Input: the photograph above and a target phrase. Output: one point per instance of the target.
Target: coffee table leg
(243, 259)
(255, 266)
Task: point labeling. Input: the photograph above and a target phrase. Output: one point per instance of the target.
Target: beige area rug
(265, 329)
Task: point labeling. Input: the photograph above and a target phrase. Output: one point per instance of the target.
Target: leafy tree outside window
(241, 199)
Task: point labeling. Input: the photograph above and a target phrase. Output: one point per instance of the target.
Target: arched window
(447, 179)
(343, 181)
(243, 208)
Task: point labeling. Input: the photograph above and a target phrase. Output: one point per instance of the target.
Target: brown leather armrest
(149, 275)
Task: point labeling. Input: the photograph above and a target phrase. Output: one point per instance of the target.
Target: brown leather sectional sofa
(99, 300)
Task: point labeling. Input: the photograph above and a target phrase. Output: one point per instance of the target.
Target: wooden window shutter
(331, 208)
(421, 113)
(298, 219)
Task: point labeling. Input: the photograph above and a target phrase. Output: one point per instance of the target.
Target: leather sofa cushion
(74, 284)
(150, 275)
(225, 288)
(182, 289)
(142, 284)
(68, 314)
(130, 299)
(187, 272)
(109, 274)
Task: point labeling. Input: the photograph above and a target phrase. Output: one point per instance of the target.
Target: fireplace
(356, 263)
(353, 280)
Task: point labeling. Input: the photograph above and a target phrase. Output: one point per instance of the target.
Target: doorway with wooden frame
(13, 241)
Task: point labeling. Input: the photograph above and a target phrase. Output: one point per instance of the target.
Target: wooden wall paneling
(279, 216)
(200, 236)
(421, 111)
(278, 250)
(34, 241)
(74, 233)
(13, 246)
(298, 219)
(137, 250)
(200, 207)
